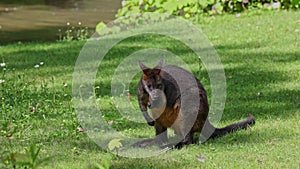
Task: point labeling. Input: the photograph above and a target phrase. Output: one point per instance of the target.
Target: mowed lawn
(260, 52)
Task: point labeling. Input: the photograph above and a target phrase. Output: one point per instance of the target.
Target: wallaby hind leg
(189, 138)
(161, 134)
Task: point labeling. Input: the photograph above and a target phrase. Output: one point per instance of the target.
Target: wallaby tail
(233, 127)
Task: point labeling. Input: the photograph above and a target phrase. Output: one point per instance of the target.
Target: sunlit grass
(261, 57)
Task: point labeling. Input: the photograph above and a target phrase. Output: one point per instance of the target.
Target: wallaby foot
(144, 143)
(189, 139)
(158, 140)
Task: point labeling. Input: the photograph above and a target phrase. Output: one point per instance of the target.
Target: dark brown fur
(158, 78)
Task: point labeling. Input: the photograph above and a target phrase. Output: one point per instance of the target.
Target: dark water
(41, 20)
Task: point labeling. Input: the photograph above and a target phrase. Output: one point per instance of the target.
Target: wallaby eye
(149, 86)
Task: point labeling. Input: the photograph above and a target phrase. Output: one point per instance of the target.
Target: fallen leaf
(80, 129)
(259, 161)
(10, 137)
(201, 158)
(129, 95)
(110, 122)
(115, 144)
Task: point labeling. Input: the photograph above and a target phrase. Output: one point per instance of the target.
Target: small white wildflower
(79, 23)
(68, 23)
(36, 66)
(2, 64)
(65, 84)
(276, 5)
(2, 81)
(123, 2)
(41, 63)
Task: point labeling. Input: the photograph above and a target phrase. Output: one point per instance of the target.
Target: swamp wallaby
(164, 90)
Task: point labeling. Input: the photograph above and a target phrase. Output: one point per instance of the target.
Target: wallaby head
(152, 77)
(152, 83)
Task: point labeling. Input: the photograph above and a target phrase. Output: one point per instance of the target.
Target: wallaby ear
(159, 64)
(142, 66)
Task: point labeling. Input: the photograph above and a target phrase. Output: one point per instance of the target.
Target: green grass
(261, 56)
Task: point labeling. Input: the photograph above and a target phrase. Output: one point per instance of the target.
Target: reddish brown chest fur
(168, 117)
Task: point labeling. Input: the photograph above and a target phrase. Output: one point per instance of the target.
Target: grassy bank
(261, 57)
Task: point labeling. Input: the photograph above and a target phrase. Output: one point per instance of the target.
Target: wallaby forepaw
(151, 123)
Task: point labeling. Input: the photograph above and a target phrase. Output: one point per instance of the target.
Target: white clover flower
(276, 5)
(65, 84)
(2, 81)
(41, 63)
(123, 2)
(2, 64)
(36, 66)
